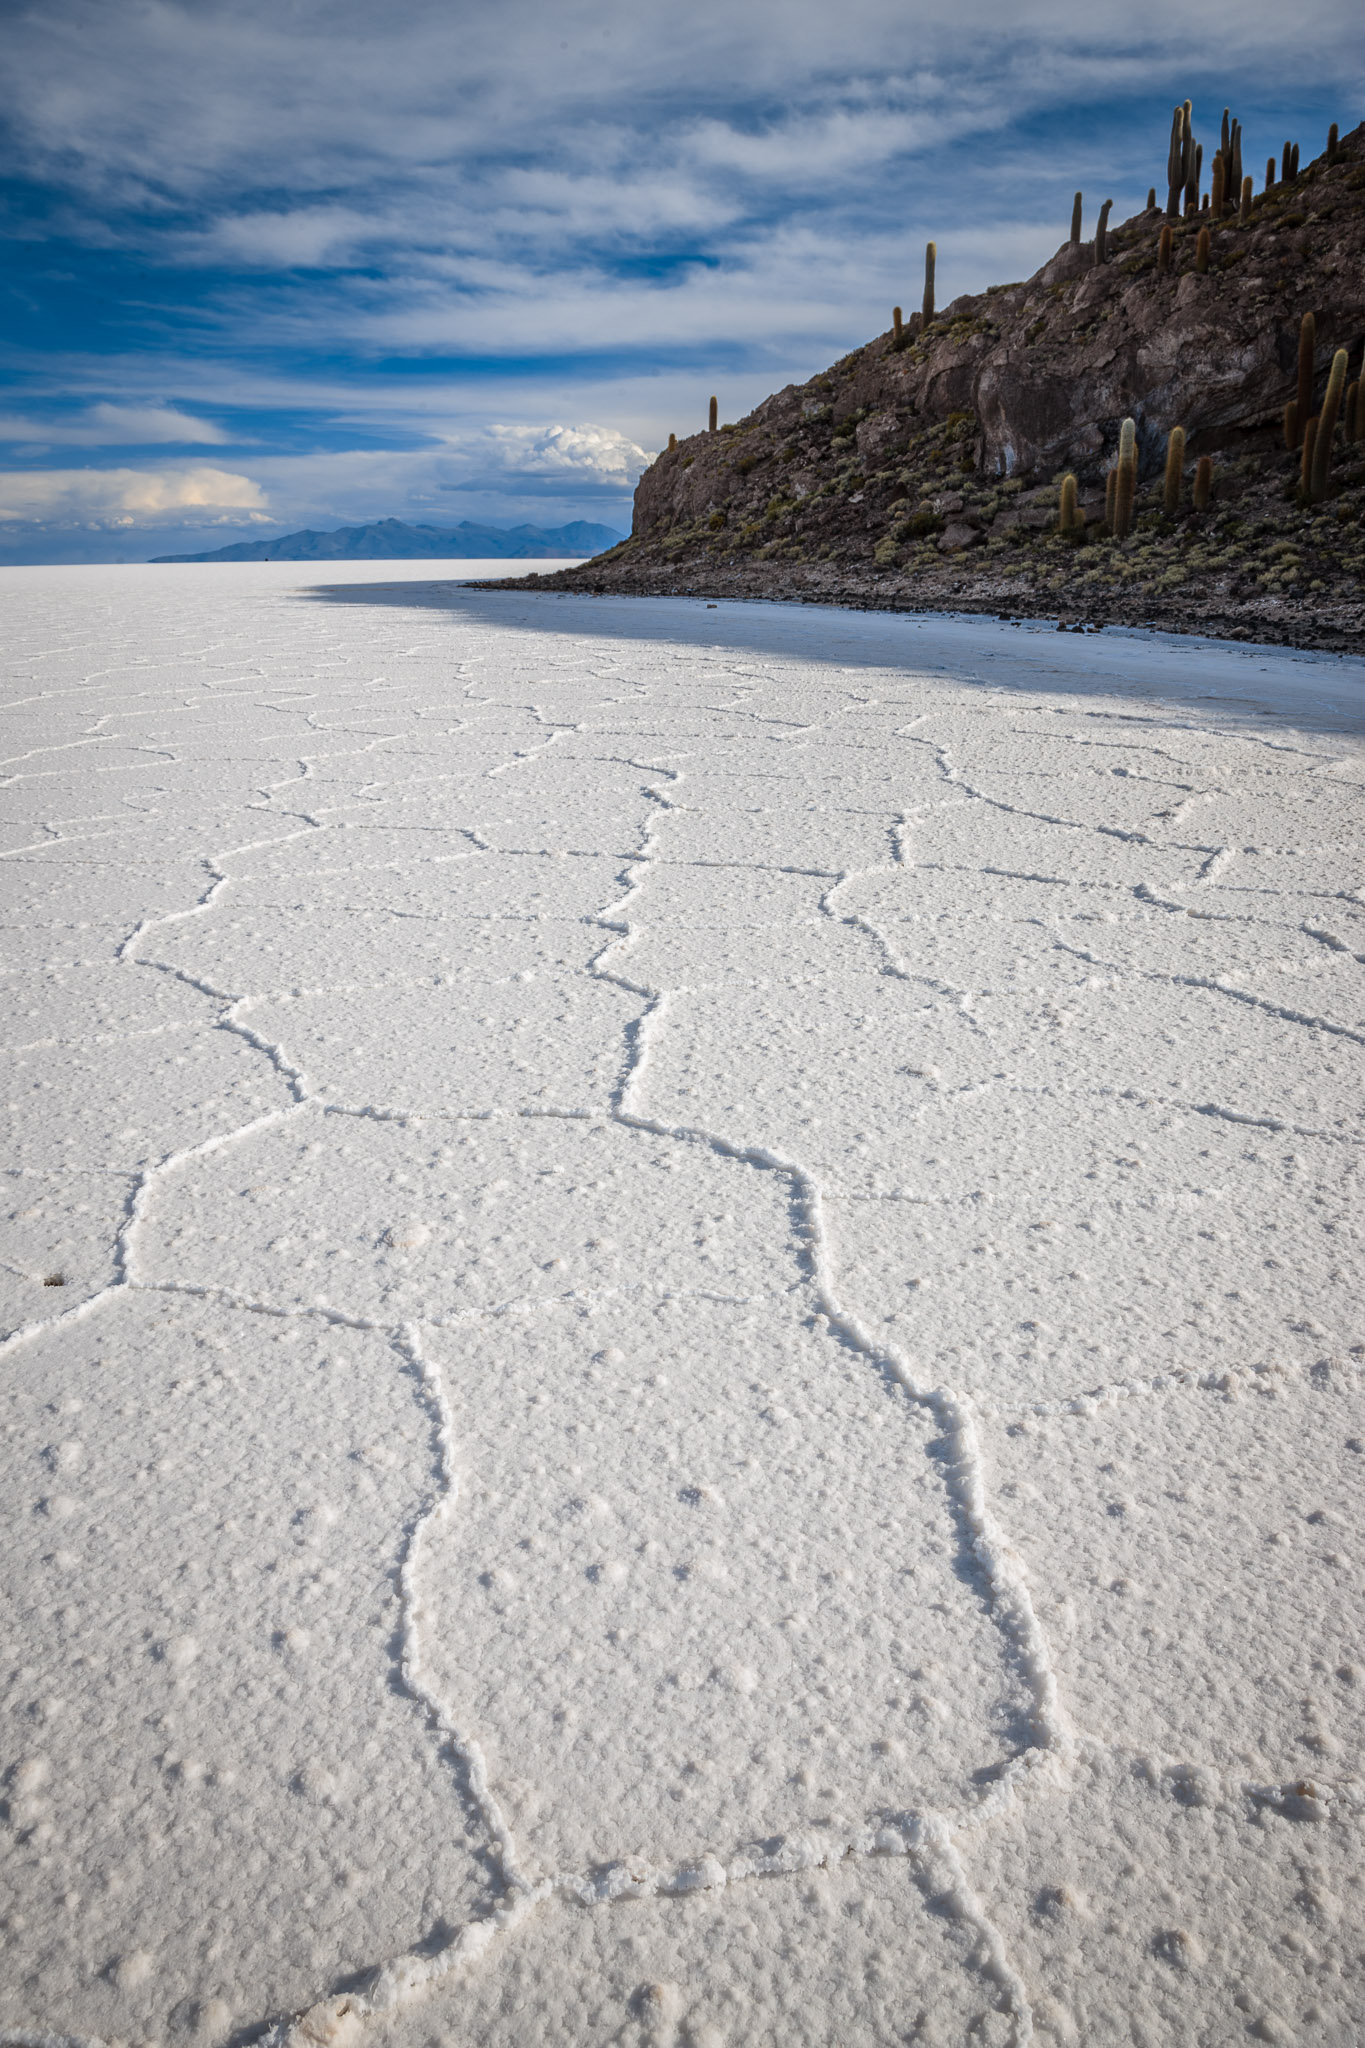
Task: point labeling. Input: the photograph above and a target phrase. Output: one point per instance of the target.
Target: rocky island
(1195, 371)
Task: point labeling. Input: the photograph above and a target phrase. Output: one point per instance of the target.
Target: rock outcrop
(926, 475)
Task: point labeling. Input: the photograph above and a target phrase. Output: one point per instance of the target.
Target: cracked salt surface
(685, 1355)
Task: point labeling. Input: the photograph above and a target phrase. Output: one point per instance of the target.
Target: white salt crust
(707, 1379)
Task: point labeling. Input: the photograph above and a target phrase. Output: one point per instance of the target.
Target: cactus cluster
(1231, 187)
(1120, 483)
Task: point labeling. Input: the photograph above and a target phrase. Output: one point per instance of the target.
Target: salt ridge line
(412, 1976)
(409, 1974)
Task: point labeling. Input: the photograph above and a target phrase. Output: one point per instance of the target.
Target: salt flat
(686, 1299)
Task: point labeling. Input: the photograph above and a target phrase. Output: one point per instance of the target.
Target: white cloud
(586, 454)
(307, 237)
(114, 426)
(118, 498)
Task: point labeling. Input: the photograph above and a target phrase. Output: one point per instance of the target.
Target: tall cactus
(1076, 222)
(1235, 162)
(1102, 233)
(1203, 483)
(672, 443)
(1308, 341)
(1163, 247)
(1175, 469)
(1151, 199)
(713, 418)
(1294, 160)
(1201, 251)
(1218, 198)
(1286, 157)
(1310, 435)
(897, 328)
(1175, 165)
(1244, 210)
(1270, 174)
(930, 263)
(1327, 427)
(1125, 488)
(1333, 146)
(1070, 518)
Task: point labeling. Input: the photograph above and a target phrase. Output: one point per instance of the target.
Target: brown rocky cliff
(858, 484)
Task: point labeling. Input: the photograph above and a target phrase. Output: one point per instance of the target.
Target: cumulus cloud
(119, 498)
(569, 457)
(113, 426)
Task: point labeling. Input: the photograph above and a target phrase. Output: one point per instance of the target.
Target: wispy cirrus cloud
(114, 426)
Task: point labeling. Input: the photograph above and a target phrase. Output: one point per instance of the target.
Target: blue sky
(312, 262)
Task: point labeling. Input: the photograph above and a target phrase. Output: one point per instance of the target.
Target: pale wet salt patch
(1196, 1559)
(217, 1795)
(705, 1586)
(365, 816)
(519, 1209)
(1161, 1902)
(861, 1953)
(1029, 1247)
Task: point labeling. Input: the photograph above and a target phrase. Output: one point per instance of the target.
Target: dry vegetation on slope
(924, 472)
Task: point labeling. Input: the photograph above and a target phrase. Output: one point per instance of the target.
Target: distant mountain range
(394, 540)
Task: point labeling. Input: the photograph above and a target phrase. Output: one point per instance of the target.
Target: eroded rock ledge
(926, 476)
